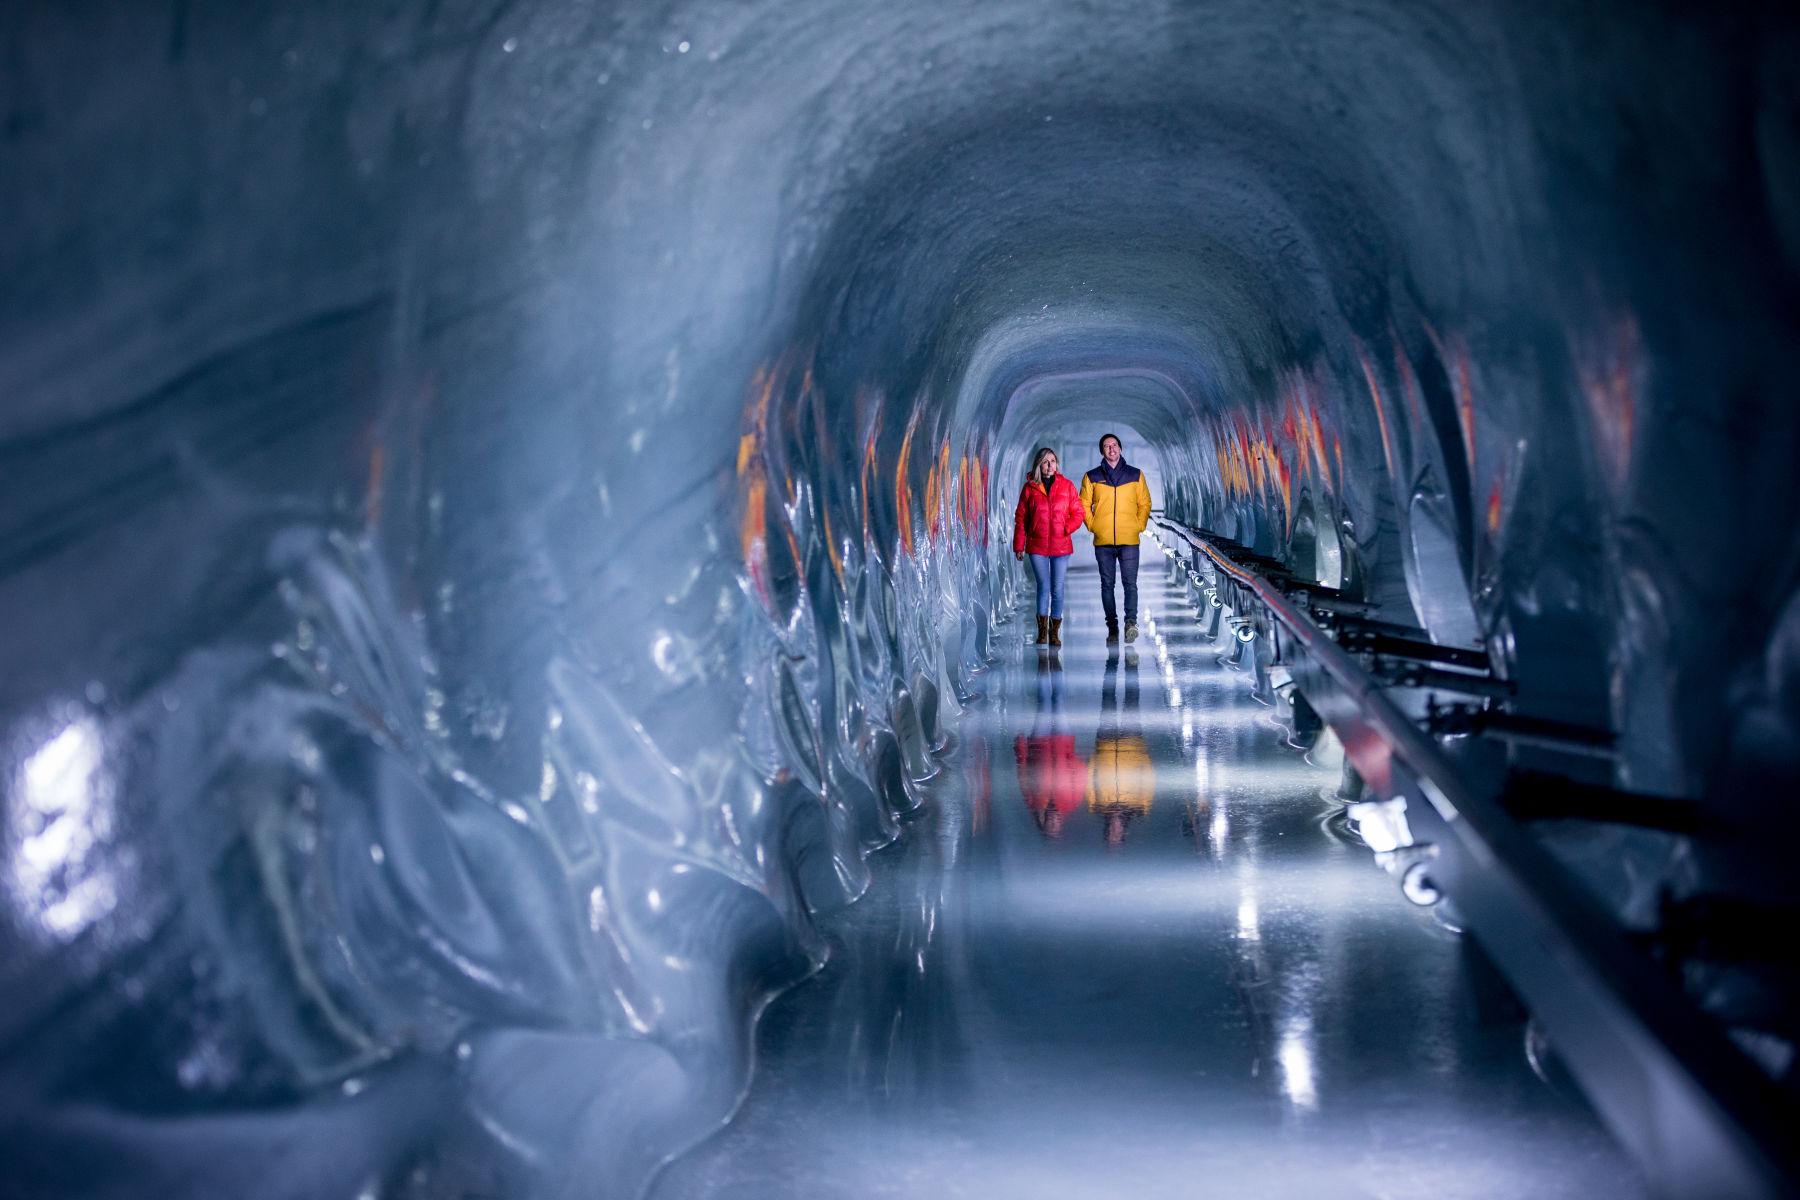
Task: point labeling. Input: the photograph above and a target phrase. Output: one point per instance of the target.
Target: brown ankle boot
(1043, 630)
(1056, 631)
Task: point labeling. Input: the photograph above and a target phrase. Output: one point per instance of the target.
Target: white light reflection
(1219, 826)
(1382, 823)
(67, 814)
(1219, 829)
(1296, 1058)
(1249, 929)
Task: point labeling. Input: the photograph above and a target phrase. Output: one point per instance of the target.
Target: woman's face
(1047, 467)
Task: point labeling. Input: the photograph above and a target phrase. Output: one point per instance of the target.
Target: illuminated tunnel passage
(1129, 949)
(506, 509)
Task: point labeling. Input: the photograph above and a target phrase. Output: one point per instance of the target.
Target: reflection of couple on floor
(1121, 779)
(1052, 774)
(1116, 782)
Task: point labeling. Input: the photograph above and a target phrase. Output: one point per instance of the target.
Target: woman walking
(1049, 512)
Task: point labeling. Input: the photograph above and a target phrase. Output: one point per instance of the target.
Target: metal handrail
(1698, 1116)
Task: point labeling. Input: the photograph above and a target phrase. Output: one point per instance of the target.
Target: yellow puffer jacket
(1120, 774)
(1117, 503)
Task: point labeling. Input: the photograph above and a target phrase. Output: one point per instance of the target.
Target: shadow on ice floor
(1127, 952)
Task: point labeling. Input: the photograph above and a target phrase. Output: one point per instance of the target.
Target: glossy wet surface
(1127, 952)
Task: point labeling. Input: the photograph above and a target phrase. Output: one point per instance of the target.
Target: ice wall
(502, 499)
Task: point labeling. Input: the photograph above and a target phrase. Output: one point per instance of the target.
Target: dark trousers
(1115, 561)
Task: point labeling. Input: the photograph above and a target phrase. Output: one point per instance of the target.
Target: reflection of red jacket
(1045, 519)
(1051, 774)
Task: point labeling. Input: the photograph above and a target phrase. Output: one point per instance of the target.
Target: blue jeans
(1052, 573)
(1115, 561)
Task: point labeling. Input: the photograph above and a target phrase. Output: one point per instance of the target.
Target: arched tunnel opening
(508, 573)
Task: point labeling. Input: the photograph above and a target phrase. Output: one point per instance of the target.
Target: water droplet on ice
(683, 47)
(509, 45)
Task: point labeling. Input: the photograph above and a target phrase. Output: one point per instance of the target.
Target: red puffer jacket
(1052, 774)
(1045, 519)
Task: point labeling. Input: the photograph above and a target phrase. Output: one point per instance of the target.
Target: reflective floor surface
(1127, 952)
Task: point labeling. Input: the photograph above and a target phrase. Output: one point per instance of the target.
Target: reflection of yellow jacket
(1117, 503)
(1120, 775)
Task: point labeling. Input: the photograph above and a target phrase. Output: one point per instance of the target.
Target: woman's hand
(1019, 554)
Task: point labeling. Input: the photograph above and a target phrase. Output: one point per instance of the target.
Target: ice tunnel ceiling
(505, 500)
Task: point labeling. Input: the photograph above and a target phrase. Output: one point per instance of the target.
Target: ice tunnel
(507, 540)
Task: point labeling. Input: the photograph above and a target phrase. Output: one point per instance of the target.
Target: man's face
(1109, 450)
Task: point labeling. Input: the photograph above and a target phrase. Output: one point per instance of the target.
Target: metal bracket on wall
(1667, 1079)
(1465, 720)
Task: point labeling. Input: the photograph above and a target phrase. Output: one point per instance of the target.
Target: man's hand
(1019, 554)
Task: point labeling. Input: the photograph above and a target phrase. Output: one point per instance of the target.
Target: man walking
(1117, 500)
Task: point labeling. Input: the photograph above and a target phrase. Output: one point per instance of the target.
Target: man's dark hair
(1114, 437)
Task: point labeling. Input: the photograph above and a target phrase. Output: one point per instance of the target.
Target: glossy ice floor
(1128, 953)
